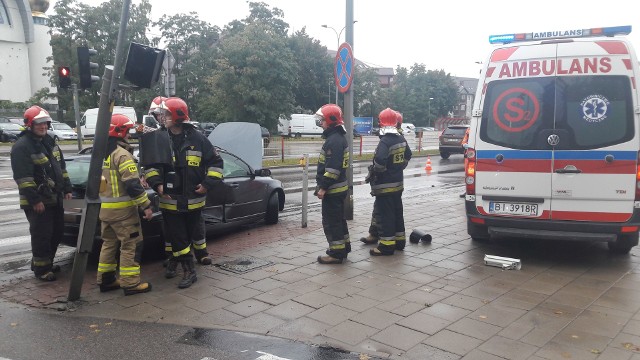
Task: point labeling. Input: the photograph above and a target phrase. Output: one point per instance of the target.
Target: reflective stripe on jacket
(195, 162)
(390, 159)
(122, 192)
(39, 170)
(333, 161)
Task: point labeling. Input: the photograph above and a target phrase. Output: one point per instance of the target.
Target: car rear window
(455, 131)
(586, 112)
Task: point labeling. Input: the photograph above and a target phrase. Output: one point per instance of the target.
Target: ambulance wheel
(623, 244)
(273, 207)
(444, 155)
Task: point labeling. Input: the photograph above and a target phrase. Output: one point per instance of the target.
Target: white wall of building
(22, 60)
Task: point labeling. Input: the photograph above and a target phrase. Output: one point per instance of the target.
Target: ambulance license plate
(519, 209)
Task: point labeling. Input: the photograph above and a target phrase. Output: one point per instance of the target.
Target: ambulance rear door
(594, 137)
(514, 160)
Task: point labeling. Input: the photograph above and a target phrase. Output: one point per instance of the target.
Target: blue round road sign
(343, 67)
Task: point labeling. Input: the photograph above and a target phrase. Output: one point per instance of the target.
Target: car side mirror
(262, 172)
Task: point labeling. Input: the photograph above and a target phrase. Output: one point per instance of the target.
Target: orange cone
(428, 167)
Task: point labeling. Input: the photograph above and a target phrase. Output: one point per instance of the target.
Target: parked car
(208, 127)
(248, 196)
(197, 126)
(266, 136)
(10, 132)
(61, 131)
(451, 140)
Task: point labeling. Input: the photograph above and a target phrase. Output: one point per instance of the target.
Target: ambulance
(555, 139)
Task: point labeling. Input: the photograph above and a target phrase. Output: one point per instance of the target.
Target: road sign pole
(76, 109)
(348, 112)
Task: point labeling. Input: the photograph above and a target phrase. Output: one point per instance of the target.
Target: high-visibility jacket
(39, 170)
(195, 161)
(121, 192)
(333, 161)
(390, 159)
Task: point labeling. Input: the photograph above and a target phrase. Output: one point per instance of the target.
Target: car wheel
(273, 207)
(56, 139)
(623, 244)
(444, 155)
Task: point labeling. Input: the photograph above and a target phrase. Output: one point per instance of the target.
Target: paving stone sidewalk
(431, 301)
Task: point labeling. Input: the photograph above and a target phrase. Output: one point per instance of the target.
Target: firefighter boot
(205, 260)
(109, 282)
(370, 239)
(171, 270)
(138, 289)
(189, 276)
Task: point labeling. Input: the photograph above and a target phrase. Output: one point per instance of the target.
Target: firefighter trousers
(47, 230)
(390, 220)
(335, 225)
(126, 236)
(185, 229)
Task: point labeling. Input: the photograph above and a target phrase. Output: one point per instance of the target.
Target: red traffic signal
(64, 77)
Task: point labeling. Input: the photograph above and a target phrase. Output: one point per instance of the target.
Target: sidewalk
(432, 301)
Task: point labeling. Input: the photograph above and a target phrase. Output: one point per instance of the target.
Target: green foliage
(252, 70)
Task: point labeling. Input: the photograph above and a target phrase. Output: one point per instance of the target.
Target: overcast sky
(448, 35)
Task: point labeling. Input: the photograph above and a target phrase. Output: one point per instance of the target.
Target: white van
(554, 139)
(283, 126)
(304, 125)
(90, 117)
(408, 130)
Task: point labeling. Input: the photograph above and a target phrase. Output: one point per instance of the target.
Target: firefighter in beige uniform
(121, 194)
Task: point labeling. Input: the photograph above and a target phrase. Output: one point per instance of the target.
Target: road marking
(267, 356)
(15, 240)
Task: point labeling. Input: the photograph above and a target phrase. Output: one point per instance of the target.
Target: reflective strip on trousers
(130, 271)
(105, 268)
(200, 244)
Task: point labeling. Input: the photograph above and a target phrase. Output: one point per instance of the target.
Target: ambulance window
(596, 111)
(517, 111)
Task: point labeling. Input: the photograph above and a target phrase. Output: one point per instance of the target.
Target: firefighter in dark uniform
(121, 195)
(386, 179)
(196, 168)
(374, 230)
(331, 180)
(40, 172)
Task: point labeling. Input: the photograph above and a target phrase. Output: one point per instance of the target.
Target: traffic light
(144, 64)
(85, 66)
(64, 77)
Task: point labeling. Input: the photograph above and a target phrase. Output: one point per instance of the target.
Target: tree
(369, 98)
(76, 24)
(193, 44)
(315, 71)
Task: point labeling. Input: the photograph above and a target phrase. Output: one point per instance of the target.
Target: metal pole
(348, 112)
(305, 189)
(76, 108)
(89, 220)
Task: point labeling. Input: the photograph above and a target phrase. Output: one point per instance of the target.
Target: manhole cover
(244, 264)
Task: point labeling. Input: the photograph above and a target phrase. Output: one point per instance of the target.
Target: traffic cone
(428, 167)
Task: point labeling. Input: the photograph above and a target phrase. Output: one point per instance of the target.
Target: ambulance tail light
(470, 171)
(638, 178)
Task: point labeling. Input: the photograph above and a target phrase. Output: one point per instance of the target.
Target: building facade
(24, 49)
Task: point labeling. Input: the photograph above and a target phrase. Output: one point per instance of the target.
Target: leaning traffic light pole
(89, 219)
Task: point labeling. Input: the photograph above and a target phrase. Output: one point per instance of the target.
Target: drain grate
(244, 264)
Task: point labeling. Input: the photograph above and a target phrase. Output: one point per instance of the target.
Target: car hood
(242, 139)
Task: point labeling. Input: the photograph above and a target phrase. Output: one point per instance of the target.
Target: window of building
(4, 14)
(463, 107)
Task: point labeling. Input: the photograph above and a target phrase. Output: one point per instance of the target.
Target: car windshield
(455, 131)
(78, 170)
(10, 126)
(61, 126)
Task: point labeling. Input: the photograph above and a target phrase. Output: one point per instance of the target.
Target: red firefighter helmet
(177, 108)
(36, 115)
(388, 118)
(155, 103)
(120, 126)
(331, 113)
(399, 118)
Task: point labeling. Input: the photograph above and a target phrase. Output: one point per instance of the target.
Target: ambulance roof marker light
(564, 34)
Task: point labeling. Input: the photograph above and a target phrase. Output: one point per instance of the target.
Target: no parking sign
(343, 67)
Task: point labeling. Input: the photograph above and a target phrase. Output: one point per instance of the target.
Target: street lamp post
(338, 35)
(430, 124)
